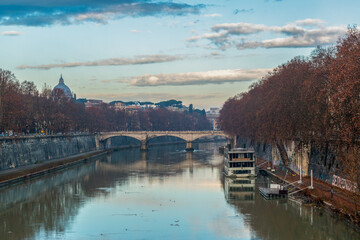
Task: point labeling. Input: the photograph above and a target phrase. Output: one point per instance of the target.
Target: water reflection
(239, 189)
(163, 193)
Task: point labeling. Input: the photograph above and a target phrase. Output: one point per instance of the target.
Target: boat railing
(241, 159)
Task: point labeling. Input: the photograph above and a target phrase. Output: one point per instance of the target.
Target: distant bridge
(145, 136)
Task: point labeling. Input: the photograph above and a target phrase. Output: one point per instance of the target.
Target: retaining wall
(318, 158)
(21, 151)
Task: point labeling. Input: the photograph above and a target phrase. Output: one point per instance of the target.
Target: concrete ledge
(36, 136)
(16, 175)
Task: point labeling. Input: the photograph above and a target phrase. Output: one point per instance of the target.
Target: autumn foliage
(308, 99)
(311, 100)
(25, 110)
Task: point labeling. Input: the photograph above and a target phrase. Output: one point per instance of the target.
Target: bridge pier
(97, 142)
(144, 155)
(143, 146)
(189, 146)
(108, 143)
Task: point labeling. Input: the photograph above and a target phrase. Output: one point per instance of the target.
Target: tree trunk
(283, 154)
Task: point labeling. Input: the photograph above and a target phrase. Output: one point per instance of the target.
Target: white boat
(239, 162)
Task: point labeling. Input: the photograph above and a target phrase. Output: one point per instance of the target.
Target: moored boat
(239, 162)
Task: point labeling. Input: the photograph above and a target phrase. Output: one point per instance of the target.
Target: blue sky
(200, 52)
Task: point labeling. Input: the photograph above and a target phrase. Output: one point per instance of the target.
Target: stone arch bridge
(144, 136)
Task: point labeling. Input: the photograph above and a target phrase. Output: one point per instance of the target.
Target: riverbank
(16, 175)
(341, 204)
(21, 151)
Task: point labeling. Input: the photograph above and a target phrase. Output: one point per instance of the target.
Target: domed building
(61, 88)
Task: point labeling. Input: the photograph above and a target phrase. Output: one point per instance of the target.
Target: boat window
(241, 164)
(242, 171)
(241, 189)
(247, 164)
(234, 164)
(242, 181)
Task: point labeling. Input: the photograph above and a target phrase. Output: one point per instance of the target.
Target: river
(165, 193)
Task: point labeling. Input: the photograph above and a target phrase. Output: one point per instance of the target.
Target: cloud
(199, 78)
(237, 11)
(192, 23)
(218, 38)
(310, 38)
(310, 22)
(215, 54)
(10, 33)
(213, 15)
(138, 60)
(302, 33)
(46, 13)
(106, 81)
(239, 28)
(250, 28)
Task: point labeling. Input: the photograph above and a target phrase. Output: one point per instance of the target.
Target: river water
(165, 193)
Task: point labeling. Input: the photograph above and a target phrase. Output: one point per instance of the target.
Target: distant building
(119, 106)
(93, 103)
(214, 111)
(147, 106)
(181, 108)
(133, 108)
(185, 108)
(212, 115)
(62, 89)
(172, 108)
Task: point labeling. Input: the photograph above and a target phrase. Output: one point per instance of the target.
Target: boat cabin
(239, 162)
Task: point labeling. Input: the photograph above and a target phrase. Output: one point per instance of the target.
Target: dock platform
(272, 193)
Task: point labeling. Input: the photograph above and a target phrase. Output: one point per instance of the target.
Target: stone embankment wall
(320, 159)
(21, 151)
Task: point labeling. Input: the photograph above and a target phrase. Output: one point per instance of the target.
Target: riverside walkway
(341, 202)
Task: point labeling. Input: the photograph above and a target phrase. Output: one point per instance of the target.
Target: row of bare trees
(311, 100)
(23, 109)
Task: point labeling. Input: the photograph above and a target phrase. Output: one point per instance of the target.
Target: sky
(200, 52)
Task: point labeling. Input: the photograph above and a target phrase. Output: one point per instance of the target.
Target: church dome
(62, 86)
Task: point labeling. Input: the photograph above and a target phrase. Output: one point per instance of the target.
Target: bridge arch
(113, 141)
(156, 136)
(215, 135)
(145, 136)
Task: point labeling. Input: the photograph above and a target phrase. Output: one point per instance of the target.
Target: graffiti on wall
(344, 183)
